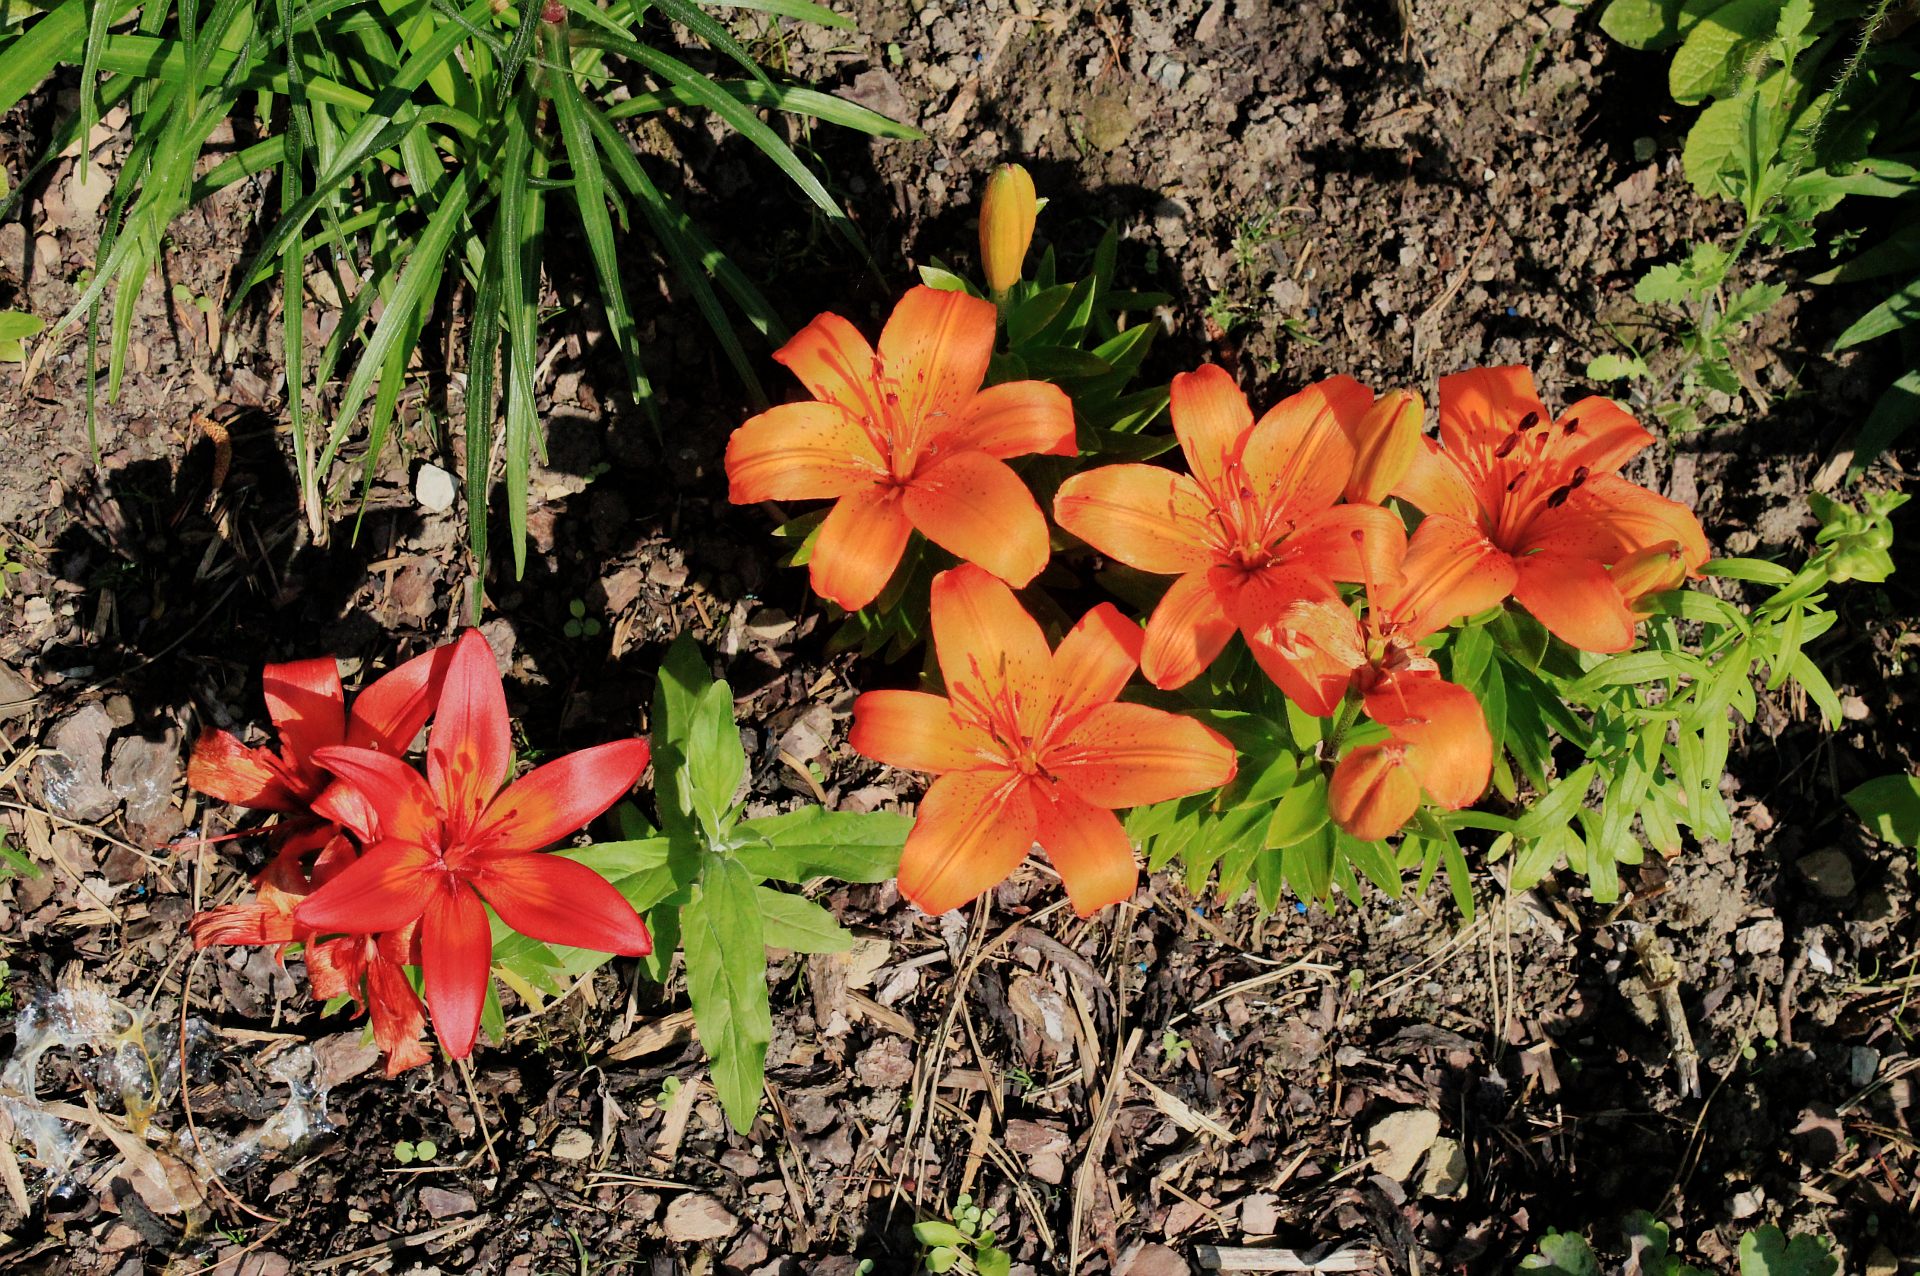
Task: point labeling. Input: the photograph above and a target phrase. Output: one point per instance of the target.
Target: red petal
(859, 546)
(307, 707)
(835, 363)
(403, 805)
(1299, 457)
(934, 353)
(382, 890)
(974, 828)
(1133, 755)
(559, 798)
(390, 711)
(916, 732)
(1189, 629)
(335, 967)
(470, 752)
(976, 508)
(456, 957)
(1480, 407)
(1095, 660)
(1451, 570)
(1575, 599)
(800, 452)
(1087, 845)
(557, 901)
(1147, 517)
(1210, 417)
(1018, 418)
(398, 1017)
(989, 648)
(224, 768)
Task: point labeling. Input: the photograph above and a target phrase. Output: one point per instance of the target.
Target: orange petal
(1480, 407)
(859, 545)
(1189, 629)
(222, 767)
(1355, 544)
(1210, 417)
(1147, 517)
(835, 363)
(976, 508)
(1435, 484)
(1299, 457)
(1310, 648)
(974, 828)
(1450, 570)
(398, 1017)
(1607, 518)
(1599, 434)
(1087, 846)
(934, 354)
(1095, 660)
(800, 452)
(1133, 755)
(1574, 599)
(916, 732)
(1018, 418)
(470, 750)
(989, 648)
(1385, 441)
(1645, 572)
(1450, 748)
(1007, 213)
(1373, 792)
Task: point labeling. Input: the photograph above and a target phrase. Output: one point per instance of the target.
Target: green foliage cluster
(420, 148)
(1764, 1251)
(1803, 105)
(967, 1244)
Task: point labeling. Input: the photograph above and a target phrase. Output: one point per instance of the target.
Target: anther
(1507, 445)
(1527, 422)
(1558, 497)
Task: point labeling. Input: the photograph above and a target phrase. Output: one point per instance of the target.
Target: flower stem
(1349, 713)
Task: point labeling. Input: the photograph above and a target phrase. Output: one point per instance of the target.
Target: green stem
(1349, 713)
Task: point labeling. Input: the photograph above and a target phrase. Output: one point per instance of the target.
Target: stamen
(1527, 422)
(1507, 445)
(1558, 497)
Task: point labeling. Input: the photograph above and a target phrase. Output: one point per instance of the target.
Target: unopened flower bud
(1007, 213)
(1373, 792)
(1653, 570)
(1384, 445)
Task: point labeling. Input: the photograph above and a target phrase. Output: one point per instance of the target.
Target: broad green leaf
(936, 1232)
(815, 842)
(1562, 1254)
(1558, 805)
(1766, 1251)
(726, 957)
(1642, 24)
(1715, 51)
(1300, 813)
(799, 925)
(1890, 806)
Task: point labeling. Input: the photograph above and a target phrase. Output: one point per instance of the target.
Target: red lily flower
(267, 918)
(1253, 530)
(1540, 509)
(372, 969)
(1030, 745)
(1438, 741)
(903, 439)
(462, 834)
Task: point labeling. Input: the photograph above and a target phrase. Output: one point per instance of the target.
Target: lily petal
(1354, 544)
(1018, 418)
(1451, 749)
(1299, 457)
(1480, 407)
(398, 1018)
(1575, 600)
(1435, 484)
(1095, 660)
(859, 545)
(1607, 518)
(1599, 434)
(389, 711)
(1125, 755)
(800, 452)
(558, 798)
(970, 834)
(989, 648)
(402, 804)
(470, 752)
(934, 351)
(915, 732)
(1310, 648)
(1087, 845)
(222, 767)
(834, 362)
(384, 889)
(1190, 628)
(1146, 516)
(456, 959)
(558, 901)
(1373, 792)
(976, 507)
(1450, 570)
(1210, 417)
(307, 706)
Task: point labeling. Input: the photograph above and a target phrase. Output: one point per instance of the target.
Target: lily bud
(1007, 213)
(1384, 445)
(1373, 792)
(1644, 572)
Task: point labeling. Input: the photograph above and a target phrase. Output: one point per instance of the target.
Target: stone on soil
(1399, 1139)
(698, 1217)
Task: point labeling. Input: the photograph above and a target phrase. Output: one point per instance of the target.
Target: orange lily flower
(1438, 742)
(1539, 508)
(1030, 745)
(1252, 530)
(905, 438)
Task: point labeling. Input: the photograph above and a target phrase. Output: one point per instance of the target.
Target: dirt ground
(1320, 187)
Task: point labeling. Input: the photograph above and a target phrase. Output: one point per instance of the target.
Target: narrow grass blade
(798, 10)
(791, 99)
(703, 25)
(483, 351)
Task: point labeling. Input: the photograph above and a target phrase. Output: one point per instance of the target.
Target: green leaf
(1890, 806)
(1766, 1251)
(815, 842)
(1301, 811)
(1898, 311)
(698, 757)
(1642, 24)
(15, 327)
(1562, 1254)
(799, 925)
(726, 956)
(1715, 52)
(1757, 570)
(1616, 367)
(937, 1232)
(1894, 413)
(1554, 808)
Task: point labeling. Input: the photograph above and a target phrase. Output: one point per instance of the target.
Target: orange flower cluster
(1272, 518)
